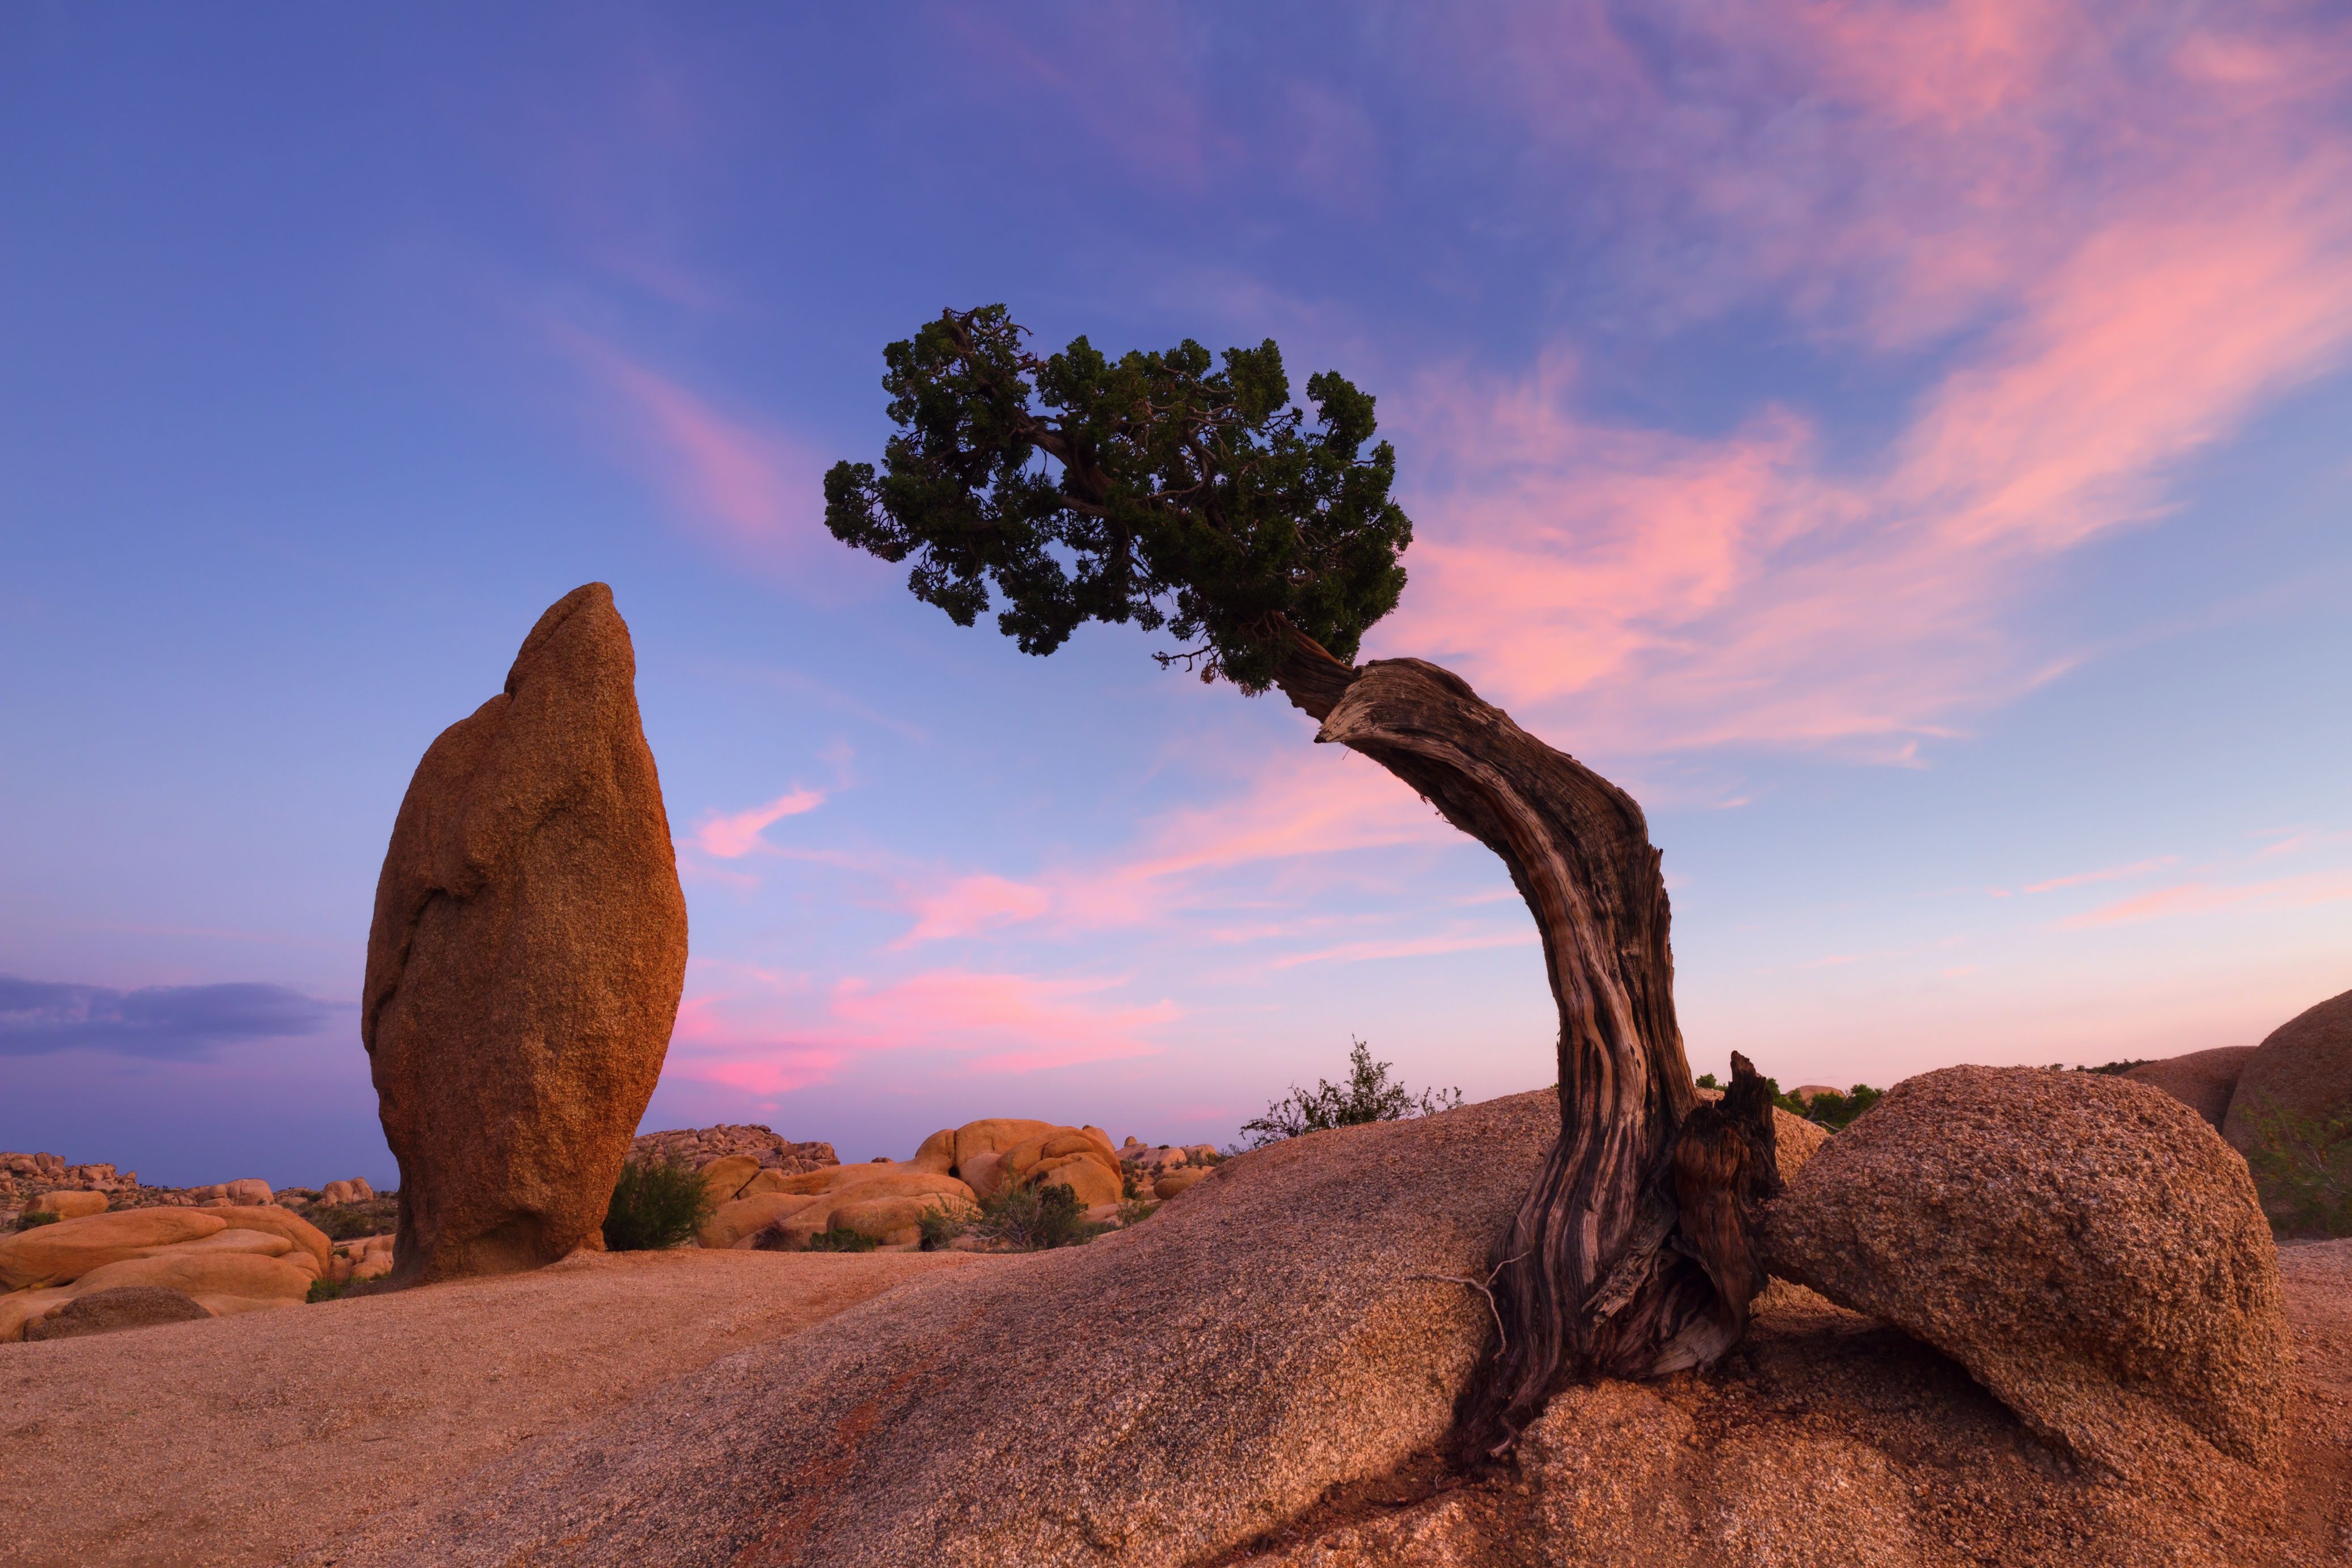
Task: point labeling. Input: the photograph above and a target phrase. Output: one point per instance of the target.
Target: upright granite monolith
(527, 957)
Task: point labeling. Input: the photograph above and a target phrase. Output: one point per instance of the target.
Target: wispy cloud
(1408, 947)
(768, 1033)
(2203, 898)
(1292, 806)
(2111, 874)
(2146, 232)
(39, 1016)
(752, 488)
(732, 837)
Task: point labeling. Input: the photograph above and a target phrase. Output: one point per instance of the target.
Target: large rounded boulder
(527, 956)
(2302, 1073)
(2086, 1246)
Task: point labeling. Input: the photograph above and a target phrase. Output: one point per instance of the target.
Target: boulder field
(223, 1260)
(762, 1200)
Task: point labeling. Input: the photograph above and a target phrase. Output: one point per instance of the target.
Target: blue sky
(1905, 444)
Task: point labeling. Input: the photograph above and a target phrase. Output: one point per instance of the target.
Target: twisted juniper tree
(1174, 492)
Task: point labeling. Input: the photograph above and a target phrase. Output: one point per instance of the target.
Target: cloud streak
(733, 837)
(38, 1017)
(2105, 304)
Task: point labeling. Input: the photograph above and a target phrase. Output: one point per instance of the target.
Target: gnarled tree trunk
(1632, 1256)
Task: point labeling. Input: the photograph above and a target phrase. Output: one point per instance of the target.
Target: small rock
(1176, 1182)
(122, 1307)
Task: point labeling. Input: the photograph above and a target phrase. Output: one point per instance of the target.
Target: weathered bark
(1632, 1256)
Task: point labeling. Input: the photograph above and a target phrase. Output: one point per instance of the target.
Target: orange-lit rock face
(527, 957)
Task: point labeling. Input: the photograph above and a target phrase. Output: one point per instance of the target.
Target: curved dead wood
(1631, 1257)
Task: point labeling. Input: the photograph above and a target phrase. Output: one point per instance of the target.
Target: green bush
(26, 1222)
(1035, 1220)
(378, 1215)
(2303, 1167)
(1830, 1110)
(1367, 1097)
(328, 1290)
(940, 1225)
(655, 1204)
(1836, 1109)
(1136, 1210)
(838, 1237)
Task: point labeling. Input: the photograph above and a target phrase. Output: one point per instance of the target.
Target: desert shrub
(1367, 1097)
(2117, 1069)
(772, 1237)
(379, 1216)
(26, 1222)
(1035, 1220)
(328, 1290)
(1830, 1110)
(841, 1238)
(1836, 1109)
(655, 1204)
(940, 1225)
(1136, 1210)
(2303, 1167)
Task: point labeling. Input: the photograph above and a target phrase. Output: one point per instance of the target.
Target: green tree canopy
(1154, 488)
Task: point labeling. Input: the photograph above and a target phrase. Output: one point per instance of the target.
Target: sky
(1907, 446)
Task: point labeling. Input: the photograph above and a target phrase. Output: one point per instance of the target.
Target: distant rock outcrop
(695, 1147)
(2086, 1246)
(526, 958)
(2203, 1080)
(2303, 1069)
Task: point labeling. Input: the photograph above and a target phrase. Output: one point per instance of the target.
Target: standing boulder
(2203, 1080)
(2303, 1071)
(527, 957)
(2086, 1246)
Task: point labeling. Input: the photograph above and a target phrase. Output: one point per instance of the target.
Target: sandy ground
(242, 1441)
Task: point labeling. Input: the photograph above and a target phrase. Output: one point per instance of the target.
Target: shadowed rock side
(526, 958)
(2203, 1080)
(2303, 1069)
(2086, 1246)
(995, 1416)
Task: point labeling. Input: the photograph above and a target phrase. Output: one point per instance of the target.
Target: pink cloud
(731, 837)
(2112, 873)
(1653, 590)
(1296, 805)
(972, 903)
(754, 490)
(1409, 947)
(1013, 1022)
(2201, 897)
(765, 1033)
